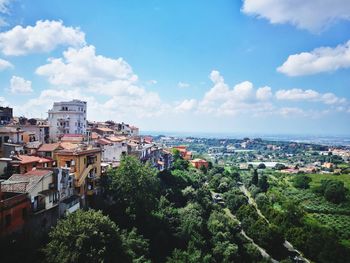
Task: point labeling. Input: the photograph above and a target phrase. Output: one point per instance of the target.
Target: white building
(67, 118)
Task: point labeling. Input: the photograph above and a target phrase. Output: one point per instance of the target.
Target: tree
(302, 181)
(280, 166)
(234, 200)
(85, 237)
(334, 191)
(261, 166)
(134, 187)
(255, 178)
(263, 183)
(204, 169)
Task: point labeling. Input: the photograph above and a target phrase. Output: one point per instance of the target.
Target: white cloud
(319, 60)
(182, 85)
(309, 95)
(3, 102)
(98, 74)
(83, 67)
(4, 64)
(19, 85)
(264, 93)
(221, 100)
(186, 105)
(313, 15)
(45, 36)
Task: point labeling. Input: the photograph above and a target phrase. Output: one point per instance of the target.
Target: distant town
(53, 167)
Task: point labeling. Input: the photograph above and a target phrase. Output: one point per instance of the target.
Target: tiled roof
(116, 139)
(24, 183)
(103, 141)
(105, 129)
(49, 147)
(24, 159)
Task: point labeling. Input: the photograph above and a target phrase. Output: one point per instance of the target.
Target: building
(10, 135)
(113, 148)
(186, 155)
(67, 118)
(6, 115)
(85, 163)
(198, 163)
(103, 131)
(14, 211)
(25, 163)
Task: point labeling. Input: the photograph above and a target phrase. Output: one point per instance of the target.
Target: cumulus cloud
(223, 100)
(264, 93)
(45, 36)
(309, 95)
(98, 74)
(4, 64)
(312, 15)
(182, 85)
(319, 60)
(19, 85)
(186, 105)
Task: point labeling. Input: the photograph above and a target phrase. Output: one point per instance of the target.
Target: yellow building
(85, 163)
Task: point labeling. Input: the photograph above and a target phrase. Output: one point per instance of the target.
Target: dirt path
(286, 244)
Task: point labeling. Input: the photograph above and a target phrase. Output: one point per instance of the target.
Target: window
(0, 141)
(8, 220)
(6, 138)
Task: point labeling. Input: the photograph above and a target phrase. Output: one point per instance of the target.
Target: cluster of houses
(52, 167)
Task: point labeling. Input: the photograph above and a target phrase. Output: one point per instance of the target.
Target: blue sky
(268, 66)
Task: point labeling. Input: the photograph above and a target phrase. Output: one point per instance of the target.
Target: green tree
(263, 183)
(134, 187)
(302, 181)
(334, 191)
(255, 178)
(85, 237)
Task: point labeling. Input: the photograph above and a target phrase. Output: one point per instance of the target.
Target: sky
(228, 66)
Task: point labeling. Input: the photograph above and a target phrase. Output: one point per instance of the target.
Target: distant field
(316, 179)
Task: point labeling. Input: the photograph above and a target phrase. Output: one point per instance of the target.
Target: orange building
(186, 155)
(14, 211)
(198, 163)
(26, 163)
(85, 163)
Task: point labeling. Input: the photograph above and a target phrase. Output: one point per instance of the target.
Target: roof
(95, 135)
(24, 183)
(10, 130)
(116, 139)
(78, 151)
(68, 145)
(103, 141)
(198, 161)
(33, 145)
(72, 137)
(104, 129)
(24, 159)
(49, 147)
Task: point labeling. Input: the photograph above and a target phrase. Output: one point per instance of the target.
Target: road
(262, 251)
(286, 244)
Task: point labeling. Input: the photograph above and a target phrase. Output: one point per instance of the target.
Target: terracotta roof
(95, 135)
(103, 141)
(49, 147)
(68, 145)
(24, 159)
(198, 161)
(116, 139)
(104, 129)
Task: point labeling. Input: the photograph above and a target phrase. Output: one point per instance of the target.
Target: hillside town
(52, 167)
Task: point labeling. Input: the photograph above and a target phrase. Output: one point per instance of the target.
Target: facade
(14, 211)
(10, 135)
(6, 115)
(85, 164)
(25, 163)
(187, 155)
(67, 118)
(198, 163)
(113, 148)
